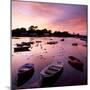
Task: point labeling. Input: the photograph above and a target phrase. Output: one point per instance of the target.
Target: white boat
(51, 72)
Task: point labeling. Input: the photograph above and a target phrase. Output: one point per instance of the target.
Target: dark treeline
(33, 31)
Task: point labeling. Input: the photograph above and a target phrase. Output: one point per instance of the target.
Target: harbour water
(42, 54)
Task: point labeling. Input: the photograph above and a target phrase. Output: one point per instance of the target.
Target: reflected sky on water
(43, 54)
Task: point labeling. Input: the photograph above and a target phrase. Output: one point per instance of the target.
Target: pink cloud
(52, 16)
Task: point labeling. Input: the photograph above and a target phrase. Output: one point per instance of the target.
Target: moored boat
(21, 48)
(52, 42)
(85, 45)
(51, 73)
(76, 63)
(19, 45)
(27, 43)
(38, 41)
(62, 39)
(24, 74)
(74, 44)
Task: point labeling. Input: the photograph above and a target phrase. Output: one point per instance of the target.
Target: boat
(24, 74)
(27, 43)
(62, 39)
(51, 39)
(19, 45)
(38, 41)
(76, 63)
(52, 42)
(74, 44)
(31, 42)
(51, 73)
(21, 48)
(85, 45)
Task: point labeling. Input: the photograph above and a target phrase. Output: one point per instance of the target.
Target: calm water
(43, 54)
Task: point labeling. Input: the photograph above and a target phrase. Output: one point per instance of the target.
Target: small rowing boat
(25, 72)
(76, 63)
(74, 44)
(21, 48)
(51, 73)
(52, 42)
(62, 39)
(38, 41)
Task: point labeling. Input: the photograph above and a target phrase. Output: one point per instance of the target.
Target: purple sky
(60, 17)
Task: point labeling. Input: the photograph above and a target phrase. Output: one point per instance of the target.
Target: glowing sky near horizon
(60, 17)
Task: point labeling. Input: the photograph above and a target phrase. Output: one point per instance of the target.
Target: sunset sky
(60, 17)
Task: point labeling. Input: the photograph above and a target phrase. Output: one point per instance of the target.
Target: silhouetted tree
(23, 29)
(34, 31)
(32, 28)
(44, 30)
(50, 32)
(16, 32)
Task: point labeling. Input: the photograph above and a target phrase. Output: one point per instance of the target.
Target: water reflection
(42, 54)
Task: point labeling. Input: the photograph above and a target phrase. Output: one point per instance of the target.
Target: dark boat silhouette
(19, 45)
(74, 44)
(25, 73)
(52, 42)
(27, 43)
(85, 45)
(38, 41)
(51, 73)
(21, 48)
(76, 63)
(62, 39)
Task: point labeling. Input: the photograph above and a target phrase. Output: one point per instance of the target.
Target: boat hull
(76, 63)
(51, 73)
(19, 49)
(74, 44)
(24, 77)
(49, 81)
(53, 42)
(62, 39)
